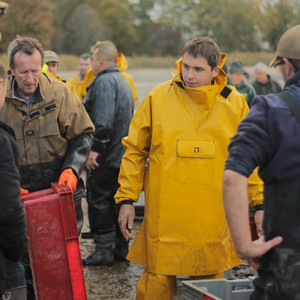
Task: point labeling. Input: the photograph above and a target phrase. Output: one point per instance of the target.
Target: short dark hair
(28, 46)
(107, 50)
(3, 71)
(85, 56)
(206, 47)
(295, 63)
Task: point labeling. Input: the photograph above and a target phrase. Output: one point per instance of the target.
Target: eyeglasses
(279, 63)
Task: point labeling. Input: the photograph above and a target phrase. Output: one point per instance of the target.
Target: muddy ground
(118, 282)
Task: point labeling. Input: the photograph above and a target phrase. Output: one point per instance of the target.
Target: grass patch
(70, 62)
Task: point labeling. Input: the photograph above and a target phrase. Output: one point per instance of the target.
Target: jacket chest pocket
(195, 161)
(48, 125)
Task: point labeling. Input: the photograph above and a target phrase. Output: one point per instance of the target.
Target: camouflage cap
(288, 45)
(50, 56)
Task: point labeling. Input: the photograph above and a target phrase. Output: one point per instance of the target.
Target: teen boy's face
(196, 71)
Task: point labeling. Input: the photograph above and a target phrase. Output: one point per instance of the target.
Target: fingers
(253, 262)
(274, 242)
(126, 217)
(91, 164)
(124, 230)
(128, 236)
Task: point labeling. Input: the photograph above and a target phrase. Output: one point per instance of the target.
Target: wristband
(126, 202)
(259, 207)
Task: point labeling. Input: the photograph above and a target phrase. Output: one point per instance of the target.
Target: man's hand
(258, 247)
(258, 218)
(68, 177)
(126, 217)
(91, 162)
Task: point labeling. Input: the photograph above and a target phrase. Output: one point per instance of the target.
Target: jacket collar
(45, 88)
(110, 69)
(295, 79)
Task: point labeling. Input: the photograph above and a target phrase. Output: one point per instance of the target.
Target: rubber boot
(103, 256)
(15, 294)
(121, 249)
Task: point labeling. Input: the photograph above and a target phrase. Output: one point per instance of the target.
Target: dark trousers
(103, 212)
(279, 276)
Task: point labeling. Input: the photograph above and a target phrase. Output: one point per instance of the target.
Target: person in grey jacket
(110, 104)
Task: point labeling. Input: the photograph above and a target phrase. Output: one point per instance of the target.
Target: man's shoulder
(6, 130)
(53, 88)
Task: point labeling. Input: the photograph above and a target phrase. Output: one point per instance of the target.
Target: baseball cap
(50, 56)
(237, 66)
(288, 45)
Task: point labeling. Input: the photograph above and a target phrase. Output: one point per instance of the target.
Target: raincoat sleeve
(137, 147)
(77, 127)
(244, 154)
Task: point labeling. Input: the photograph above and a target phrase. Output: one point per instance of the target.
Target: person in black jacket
(12, 220)
(269, 137)
(110, 104)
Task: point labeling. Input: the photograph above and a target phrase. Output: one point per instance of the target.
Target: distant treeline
(149, 27)
(69, 62)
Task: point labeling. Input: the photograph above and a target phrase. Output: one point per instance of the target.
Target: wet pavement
(115, 282)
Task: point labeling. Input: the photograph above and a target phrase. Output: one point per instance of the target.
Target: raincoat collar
(220, 79)
(122, 62)
(204, 95)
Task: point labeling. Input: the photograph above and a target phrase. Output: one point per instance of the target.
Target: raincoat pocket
(195, 161)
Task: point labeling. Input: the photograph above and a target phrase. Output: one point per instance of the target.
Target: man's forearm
(235, 199)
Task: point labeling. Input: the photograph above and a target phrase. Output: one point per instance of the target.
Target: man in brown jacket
(52, 128)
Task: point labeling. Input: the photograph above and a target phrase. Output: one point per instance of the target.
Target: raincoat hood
(221, 78)
(122, 62)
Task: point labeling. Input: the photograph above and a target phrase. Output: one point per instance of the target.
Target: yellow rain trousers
(155, 286)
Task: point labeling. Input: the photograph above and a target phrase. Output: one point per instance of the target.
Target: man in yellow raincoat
(78, 83)
(183, 127)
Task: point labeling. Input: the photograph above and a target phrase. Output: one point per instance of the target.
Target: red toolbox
(53, 244)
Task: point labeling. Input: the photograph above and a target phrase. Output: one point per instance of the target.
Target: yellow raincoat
(184, 133)
(123, 65)
(78, 86)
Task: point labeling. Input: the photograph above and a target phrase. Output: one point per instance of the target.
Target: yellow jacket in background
(184, 133)
(123, 65)
(50, 75)
(78, 86)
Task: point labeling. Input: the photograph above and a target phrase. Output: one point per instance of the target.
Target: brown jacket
(47, 131)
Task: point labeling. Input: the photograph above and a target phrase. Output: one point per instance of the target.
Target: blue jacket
(269, 137)
(109, 103)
